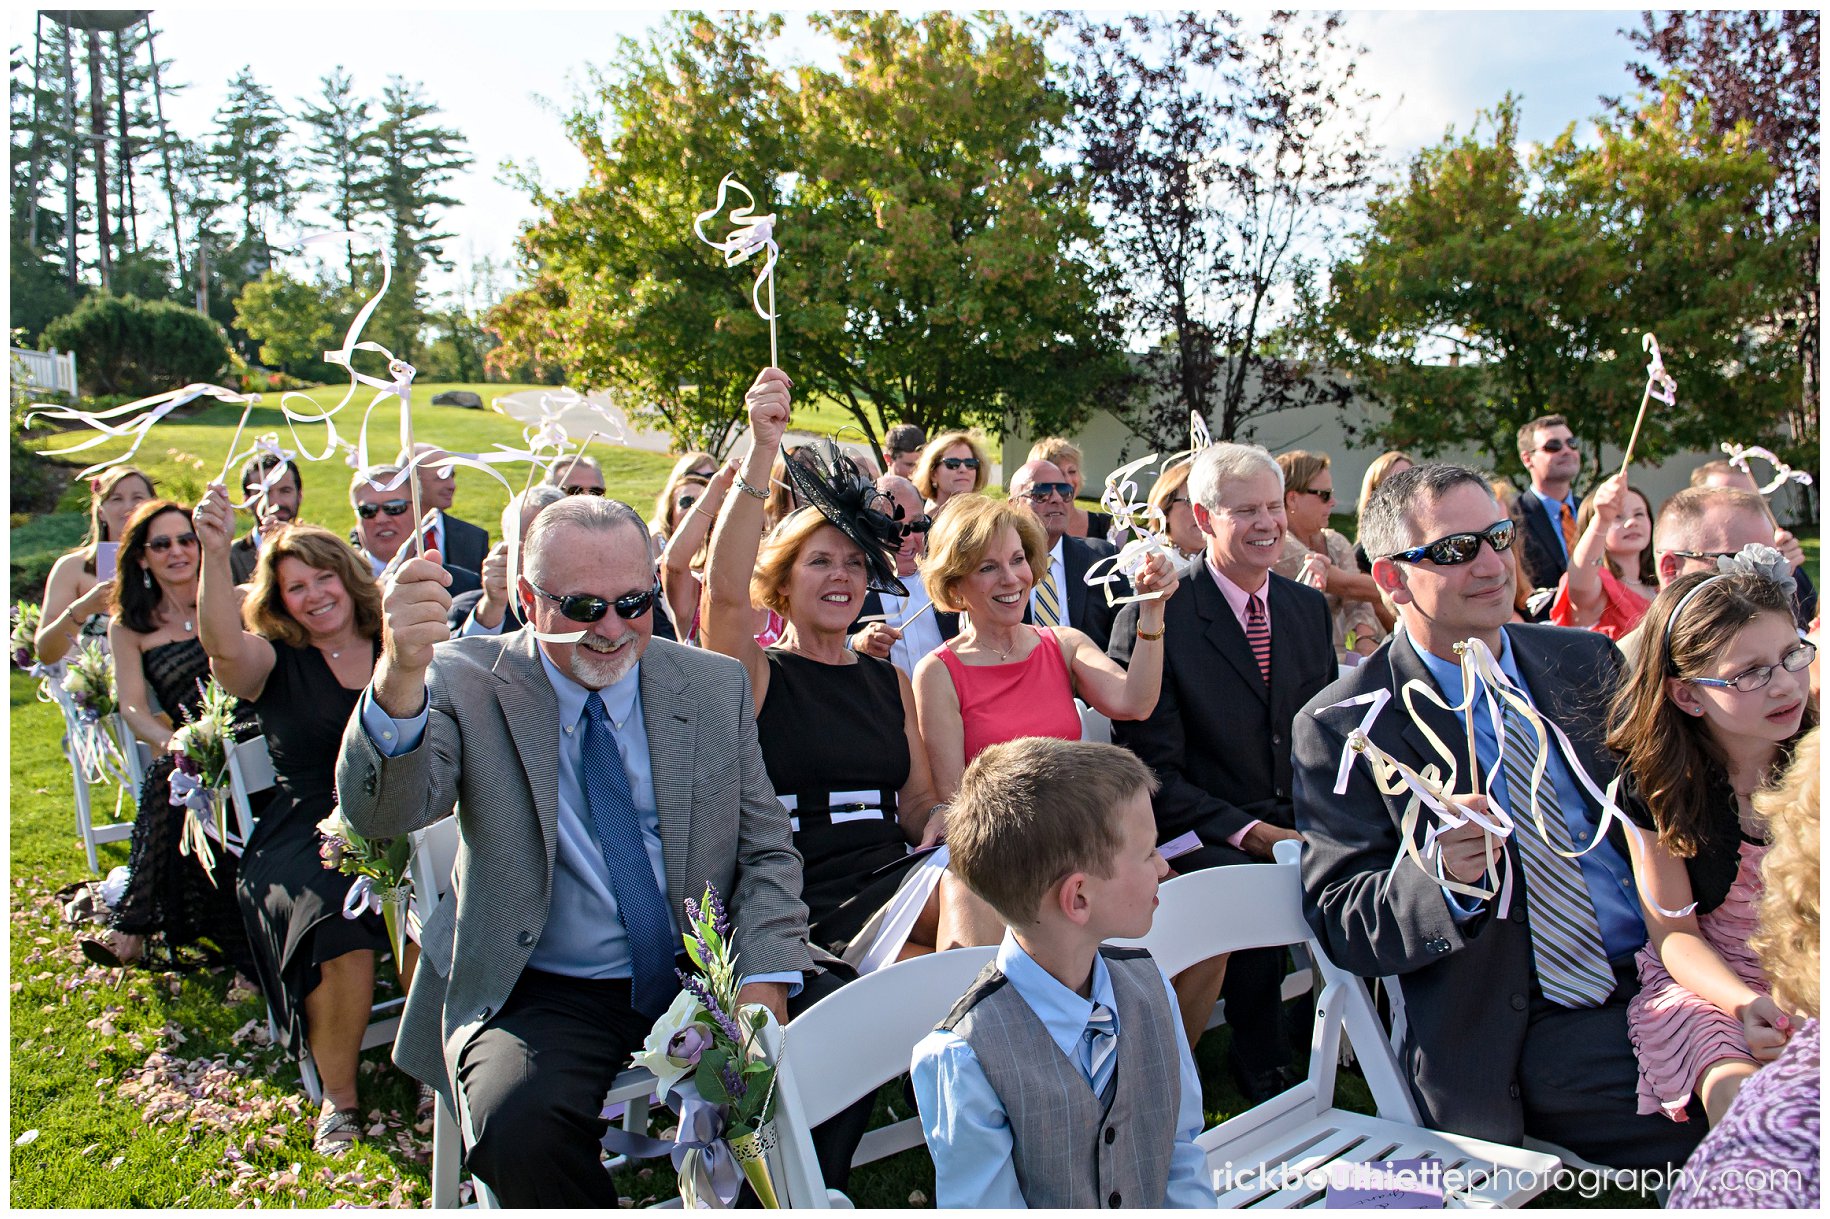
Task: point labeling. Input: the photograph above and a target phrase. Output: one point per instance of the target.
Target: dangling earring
(146, 577)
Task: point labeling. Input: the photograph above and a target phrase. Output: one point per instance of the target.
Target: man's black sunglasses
(1459, 548)
(920, 524)
(393, 507)
(1554, 445)
(583, 607)
(584, 490)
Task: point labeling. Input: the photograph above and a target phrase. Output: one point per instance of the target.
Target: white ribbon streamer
(1145, 524)
(145, 412)
(752, 235)
(1782, 473)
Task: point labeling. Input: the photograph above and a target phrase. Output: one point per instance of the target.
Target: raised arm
(1118, 692)
(679, 582)
(64, 611)
(1587, 596)
(730, 618)
(239, 659)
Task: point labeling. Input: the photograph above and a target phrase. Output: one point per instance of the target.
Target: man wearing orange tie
(1546, 511)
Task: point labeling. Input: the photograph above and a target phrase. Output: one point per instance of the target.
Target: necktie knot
(1253, 606)
(595, 711)
(1100, 1023)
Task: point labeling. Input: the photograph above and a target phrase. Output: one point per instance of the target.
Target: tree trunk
(98, 139)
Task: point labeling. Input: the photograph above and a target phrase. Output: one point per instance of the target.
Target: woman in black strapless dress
(154, 644)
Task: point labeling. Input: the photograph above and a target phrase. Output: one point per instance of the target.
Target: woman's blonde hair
(1377, 473)
(264, 611)
(964, 532)
(1788, 941)
(1053, 448)
(1166, 485)
(1300, 468)
(776, 557)
(923, 478)
(100, 489)
(663, 521)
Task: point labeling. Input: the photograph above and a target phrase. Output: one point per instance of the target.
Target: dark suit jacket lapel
(1074, 563)
(1222, 630)
(1287, 639)
(1555, 696)
(1550, 534)
(531, 710)
(673, 741)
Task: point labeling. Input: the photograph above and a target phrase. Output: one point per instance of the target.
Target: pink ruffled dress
(1676, 1034)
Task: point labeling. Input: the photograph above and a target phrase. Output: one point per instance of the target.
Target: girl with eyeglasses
(1708, 716)
(156, 650)
(953, 464)
(80, 589)
(1316, 555)
(1612, 577)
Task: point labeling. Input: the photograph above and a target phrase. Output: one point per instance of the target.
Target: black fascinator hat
(831, 482)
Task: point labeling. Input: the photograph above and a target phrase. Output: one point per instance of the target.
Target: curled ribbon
(1144, 523)
(201, 820)
(144, 413)
(283, 461)
(1782, 473)
(752, 234)
(1659, 383)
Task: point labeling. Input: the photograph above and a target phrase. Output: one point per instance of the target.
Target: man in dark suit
(384, 526)
(461, 543)
(1514, 1020)
(273, 507)
(598, 783)
(1246, 648)
(1546, 510)
(1061, 596)
(875, 632)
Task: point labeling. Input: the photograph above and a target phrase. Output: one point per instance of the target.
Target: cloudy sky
(497, 74)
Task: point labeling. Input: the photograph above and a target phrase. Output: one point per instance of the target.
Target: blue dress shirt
(583, 937)
(1609, 877)
(1554, 507)
(968, 1133)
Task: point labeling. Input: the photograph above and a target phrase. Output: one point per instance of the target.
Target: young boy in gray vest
(1062, 1077)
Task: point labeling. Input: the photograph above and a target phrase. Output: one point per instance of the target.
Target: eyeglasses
(1040, 491)
(393, 507)
(1326, 496)
(1459, 548)
(1555, 445)
(583, 607)
(1704, 556)
(584, 490)
(161, 545)
(920, 524)
(960, 463)
(1170, 503)
(1756, 678)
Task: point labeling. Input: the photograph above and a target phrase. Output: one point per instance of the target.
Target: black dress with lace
(168, 894)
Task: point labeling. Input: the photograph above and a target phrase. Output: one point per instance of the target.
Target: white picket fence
(54, 370)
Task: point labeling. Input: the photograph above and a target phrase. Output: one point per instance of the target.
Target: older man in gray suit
(600, 779)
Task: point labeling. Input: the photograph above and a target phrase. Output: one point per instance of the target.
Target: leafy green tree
(295, 322)
(1541, 269)
(414, 159)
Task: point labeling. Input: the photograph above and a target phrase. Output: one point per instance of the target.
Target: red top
(1621, 609)
(1029, 697)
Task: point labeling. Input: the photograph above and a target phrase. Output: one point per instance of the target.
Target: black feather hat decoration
(831, 482)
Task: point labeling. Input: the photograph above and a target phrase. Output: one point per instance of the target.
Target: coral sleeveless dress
(1029, 697)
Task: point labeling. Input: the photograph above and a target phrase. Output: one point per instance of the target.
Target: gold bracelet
(1143, 634)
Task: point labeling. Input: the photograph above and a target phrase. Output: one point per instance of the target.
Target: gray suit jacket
(491, 748)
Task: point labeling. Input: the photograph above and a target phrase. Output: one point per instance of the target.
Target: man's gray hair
(1388, 525)
(375, 474)
(1226, 462)
(540, 495)
(595, 512)
(561, 469)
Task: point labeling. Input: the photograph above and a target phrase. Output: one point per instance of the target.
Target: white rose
(653, 1057)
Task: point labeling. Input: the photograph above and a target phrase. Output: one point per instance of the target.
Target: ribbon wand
(1658, 385)
(753, 234)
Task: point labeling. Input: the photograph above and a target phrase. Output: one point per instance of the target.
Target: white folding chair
(83, 777)
(1094, 726)
(1272, 1148)
(848, 1045)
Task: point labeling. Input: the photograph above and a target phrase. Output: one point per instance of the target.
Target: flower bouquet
(706, 1048)
(200, 777)
(89, 681)
(25, 618)
(380, 868)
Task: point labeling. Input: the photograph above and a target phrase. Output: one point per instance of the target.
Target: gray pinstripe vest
(1074, 1149)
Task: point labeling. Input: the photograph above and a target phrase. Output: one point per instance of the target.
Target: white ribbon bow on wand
(1659, 384)
(1145, 524)
(1782, 473)
(753, 234)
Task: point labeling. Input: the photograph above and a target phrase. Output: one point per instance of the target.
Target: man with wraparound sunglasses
(1060, 596)
(384, 524)
(600, 779)
(1514, 1011)
(1546, 510)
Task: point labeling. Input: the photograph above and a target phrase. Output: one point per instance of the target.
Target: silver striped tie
(1104, 1050)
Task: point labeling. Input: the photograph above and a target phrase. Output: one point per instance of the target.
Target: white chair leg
(85, 816)
(447, 1152)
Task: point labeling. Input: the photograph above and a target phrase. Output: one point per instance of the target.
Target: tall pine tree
(342, 151)
(416, 158)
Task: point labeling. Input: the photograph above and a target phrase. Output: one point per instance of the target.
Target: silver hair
(1225, 462)
(598, 513)
(371, 474)
(1388, 525)
(540, 495)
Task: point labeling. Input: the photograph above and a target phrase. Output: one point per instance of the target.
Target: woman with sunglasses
(1612, 576)
(300, 651)
(80, 588)
(837, 729)
(952, 464)
(1708, 717)
(1316, 555)
(667, 510)
(683, 563)
(154, 642)
(1169, 496)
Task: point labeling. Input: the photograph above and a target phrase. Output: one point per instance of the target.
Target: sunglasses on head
(393, 507)
(960, 463)
(1041, 491)
(584, 490)
(161, 545)
(583, 607)
(1554, 445)
(1459, 548)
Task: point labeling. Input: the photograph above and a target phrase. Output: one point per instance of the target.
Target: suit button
(1512, 1090)
(483, 1015)
(1111, 1136)
(368, 785)
(1114, 1201)
(1280, 791)
(1438, 945)
(1276, 739)
(1518, 1003)
(526, 939)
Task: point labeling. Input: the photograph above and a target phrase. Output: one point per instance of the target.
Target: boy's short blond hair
(1033, 811)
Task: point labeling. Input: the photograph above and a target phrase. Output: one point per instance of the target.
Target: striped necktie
(1565, 935)
(1567, 521)
(1048, 600)
(1258, 634)
(1102, 1048)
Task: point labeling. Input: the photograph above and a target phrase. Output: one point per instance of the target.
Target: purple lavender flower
(733, 1081)
(22, 656)
(720, 921)
(703, 993)
(692, 910)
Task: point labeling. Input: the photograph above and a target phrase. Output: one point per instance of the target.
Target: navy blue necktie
(639, 904)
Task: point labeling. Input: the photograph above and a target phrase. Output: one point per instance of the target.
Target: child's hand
(1766, 1026)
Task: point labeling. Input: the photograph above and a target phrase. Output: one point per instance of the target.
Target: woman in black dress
(314, 615)
(837, 729)
(153, 640)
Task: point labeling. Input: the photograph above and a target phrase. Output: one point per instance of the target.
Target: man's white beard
(598, 670)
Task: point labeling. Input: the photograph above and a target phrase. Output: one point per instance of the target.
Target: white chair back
(128, 770)
(250, 772)
(1094, 726)
(434, 856)
(1216, 910)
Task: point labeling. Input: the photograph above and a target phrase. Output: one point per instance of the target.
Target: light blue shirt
(1609, 877)
(583, 936)
(1555, 508)
(968, 1132)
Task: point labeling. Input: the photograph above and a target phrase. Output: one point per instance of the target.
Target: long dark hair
(1673, 758)
(134, 601)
